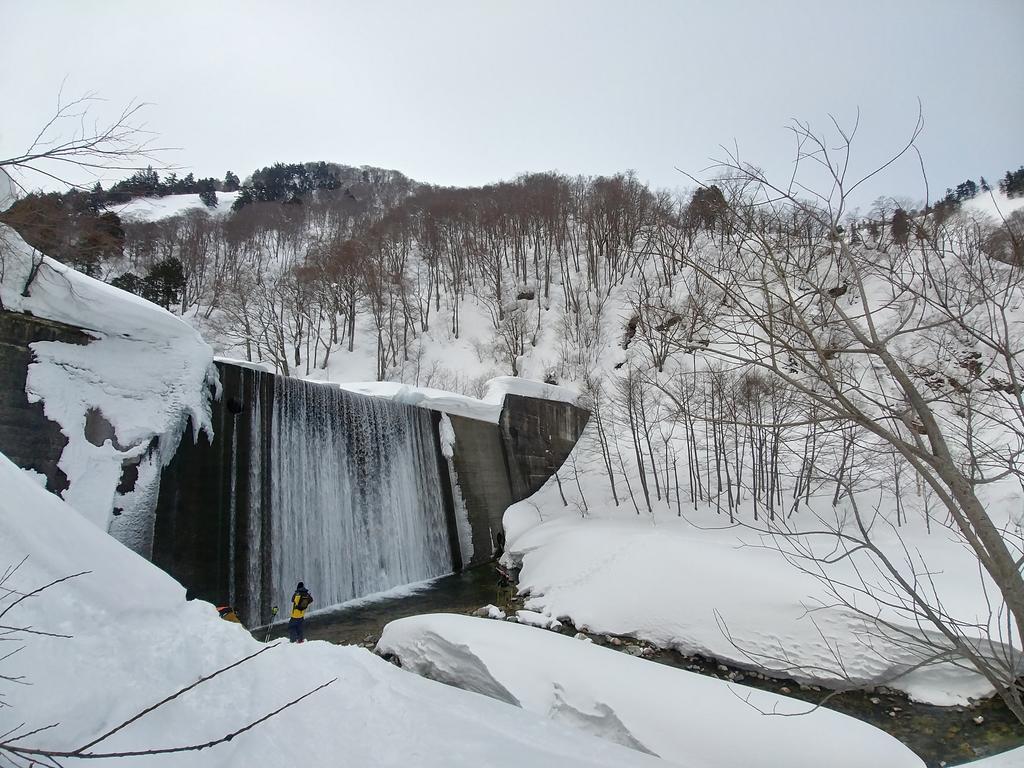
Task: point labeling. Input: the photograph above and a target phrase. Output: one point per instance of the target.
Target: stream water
(363, 623)
(939, 735)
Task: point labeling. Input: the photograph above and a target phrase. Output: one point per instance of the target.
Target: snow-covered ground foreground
(698, 585)
(684, 717)
(134, 640)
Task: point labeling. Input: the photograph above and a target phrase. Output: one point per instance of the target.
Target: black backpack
(304, 600)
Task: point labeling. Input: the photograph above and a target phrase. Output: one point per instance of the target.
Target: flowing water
(363, 623)
(357, 505)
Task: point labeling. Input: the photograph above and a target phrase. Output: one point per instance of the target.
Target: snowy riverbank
(686, 718)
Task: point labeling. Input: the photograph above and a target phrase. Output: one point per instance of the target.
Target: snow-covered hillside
(994, 205)
(143, 209)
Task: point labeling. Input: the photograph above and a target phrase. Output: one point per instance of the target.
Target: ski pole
(270, 626)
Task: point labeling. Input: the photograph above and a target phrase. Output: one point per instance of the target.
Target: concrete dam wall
(349, 493)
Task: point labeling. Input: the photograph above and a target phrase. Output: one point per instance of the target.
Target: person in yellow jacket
(228, 613)
(301, 600)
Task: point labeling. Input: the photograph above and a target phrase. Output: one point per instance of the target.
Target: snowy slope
(136, 639)
(689, 719)
(994, 205)
(157, 208)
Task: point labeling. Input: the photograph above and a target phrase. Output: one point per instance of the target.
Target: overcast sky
(472, 92)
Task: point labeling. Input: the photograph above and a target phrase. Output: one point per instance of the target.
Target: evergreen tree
(900, 227)
(130, 282)
(966, 190)
(707, 207)
(231, 183)
(97, 198)
(1012, 184)
(208, 195)
(164, 283)
(142, 184)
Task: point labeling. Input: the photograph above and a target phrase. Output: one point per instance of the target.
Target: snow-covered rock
(490, 612)
(686, 718)
(534, 619)
(146, 373)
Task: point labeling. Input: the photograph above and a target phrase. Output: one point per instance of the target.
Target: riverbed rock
(489, 612)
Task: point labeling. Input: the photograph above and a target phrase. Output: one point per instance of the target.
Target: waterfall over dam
(305, 482)
(357, 493)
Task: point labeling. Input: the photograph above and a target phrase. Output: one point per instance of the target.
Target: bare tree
(912, 351)
(74, 139)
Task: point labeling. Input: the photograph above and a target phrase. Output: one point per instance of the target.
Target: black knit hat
(301, 586)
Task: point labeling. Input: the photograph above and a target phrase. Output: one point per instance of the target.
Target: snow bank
(498, 387)
(157, 208)
(713, 593)
(424, 397)
(123, 398)
(136, 639)
(255, 366)
(686, 718)
(486, 409)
